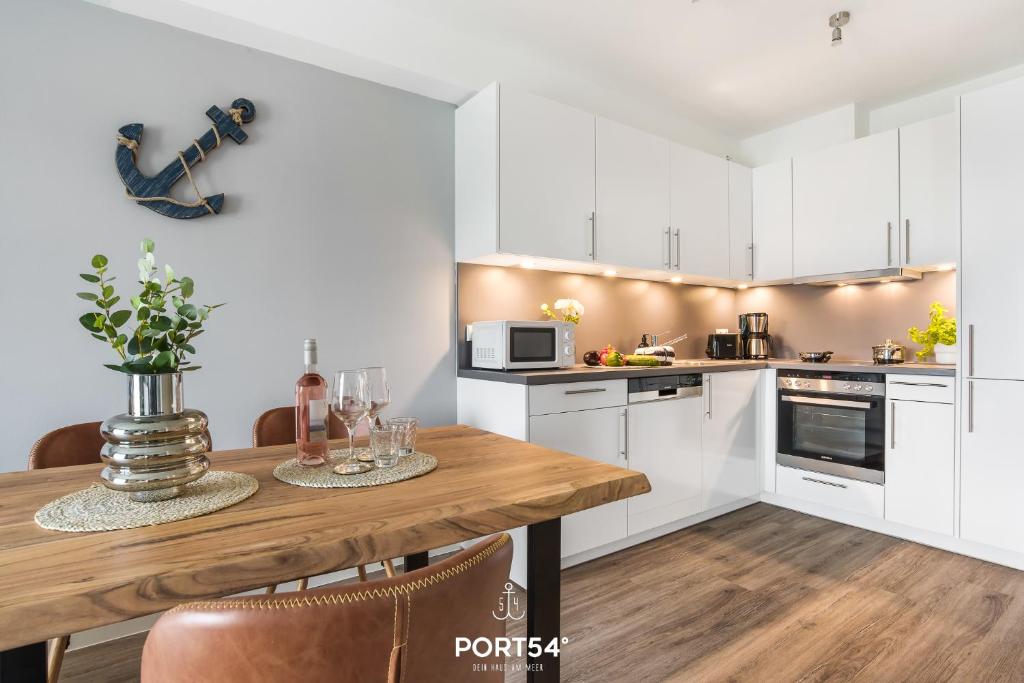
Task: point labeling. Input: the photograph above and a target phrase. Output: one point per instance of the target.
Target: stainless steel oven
(832, 422)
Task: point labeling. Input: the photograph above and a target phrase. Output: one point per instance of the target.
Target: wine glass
(379, 395)
(350, 402)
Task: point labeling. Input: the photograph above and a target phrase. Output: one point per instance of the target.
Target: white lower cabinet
(599, 435)
(841, 493)
(664, 444)
(920, 468)
(992, 464)
(729, 471)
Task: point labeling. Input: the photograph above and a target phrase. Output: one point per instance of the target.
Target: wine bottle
(311, 409)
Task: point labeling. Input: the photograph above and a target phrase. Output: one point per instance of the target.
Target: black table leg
(543, 596)
(26, 663)
(416, 561)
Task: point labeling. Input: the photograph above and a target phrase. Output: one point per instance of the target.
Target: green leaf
(121, 340)
(188, 348)
(147, 246)
(164, 359)
(188, 287)
(108, 291)
(132, 347)
(99, 336)
(168, 273)
(109, 330)
(140, 366)
(153, 286)
(118, 318)
(92, 321)
(161, 323)
(119, 368)
(142, 314)
(191, 368)
(113, 301)
(88, 278)
(99, 261)
(177, 302)
(188, 311)
(88, 296)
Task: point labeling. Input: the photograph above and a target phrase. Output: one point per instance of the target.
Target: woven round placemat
(324, 476)
(98, 508)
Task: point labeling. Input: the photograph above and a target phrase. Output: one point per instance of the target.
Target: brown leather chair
(402, 628)
(77, 444)
(276, 427)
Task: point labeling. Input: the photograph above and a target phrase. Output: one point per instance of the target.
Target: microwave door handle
(859, 405)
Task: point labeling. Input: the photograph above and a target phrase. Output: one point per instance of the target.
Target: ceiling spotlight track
(837, 21)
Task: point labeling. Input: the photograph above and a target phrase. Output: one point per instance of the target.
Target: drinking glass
(406, 434)
(379, 394)
(350, 402)
(384, 445)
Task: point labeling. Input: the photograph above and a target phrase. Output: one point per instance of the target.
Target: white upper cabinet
(929, 190)
(845, 207)
(524, 177)
(773, 221)
(741, 235)
(632, 197)
(992, 147)
(700, 213)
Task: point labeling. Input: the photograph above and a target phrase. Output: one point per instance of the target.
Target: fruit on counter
(592, 358)
(633, 359)
(614, 359)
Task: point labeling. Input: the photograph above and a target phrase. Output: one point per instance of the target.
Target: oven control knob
(847, 387)
(858, 388)
(868, 387)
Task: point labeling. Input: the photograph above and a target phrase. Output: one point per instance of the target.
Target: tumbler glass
(384, 445)
(407, 434)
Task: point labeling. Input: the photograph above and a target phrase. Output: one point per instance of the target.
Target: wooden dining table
(54, 583)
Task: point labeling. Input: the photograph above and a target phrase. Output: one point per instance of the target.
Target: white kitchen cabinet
(920, 484)
(700, 213)
(741, 232)
(524, 177)
(992, 240)
(729, 438)
(600, 435)
(632, 197)
(992, 464)
(929, 191)
(846, 204)
(664, 443)
(772, 187)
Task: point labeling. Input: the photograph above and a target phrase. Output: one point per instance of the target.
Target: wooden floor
(763, 594)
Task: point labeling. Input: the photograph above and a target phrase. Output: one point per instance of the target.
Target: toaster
(723, 346)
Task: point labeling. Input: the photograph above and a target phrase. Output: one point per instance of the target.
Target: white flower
(569, 305)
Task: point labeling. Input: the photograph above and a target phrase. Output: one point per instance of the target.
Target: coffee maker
(756, 342)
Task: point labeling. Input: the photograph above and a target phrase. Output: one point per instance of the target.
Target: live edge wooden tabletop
(52, 583)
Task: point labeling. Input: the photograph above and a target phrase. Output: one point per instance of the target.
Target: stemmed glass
(350, 402)
(379, 395)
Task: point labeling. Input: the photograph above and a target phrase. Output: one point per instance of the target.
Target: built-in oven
(832, 422)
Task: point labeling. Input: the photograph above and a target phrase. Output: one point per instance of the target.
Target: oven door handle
(859, 405)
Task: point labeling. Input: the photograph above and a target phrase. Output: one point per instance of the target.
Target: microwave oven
(522, 344)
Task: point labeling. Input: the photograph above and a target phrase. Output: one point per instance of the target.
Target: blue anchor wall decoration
(153, 192)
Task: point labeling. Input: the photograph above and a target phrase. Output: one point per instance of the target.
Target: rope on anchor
(133, 145)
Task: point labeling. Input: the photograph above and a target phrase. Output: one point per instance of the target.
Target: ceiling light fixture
(837, 21)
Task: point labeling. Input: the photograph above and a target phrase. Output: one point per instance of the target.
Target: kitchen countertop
(582, 373)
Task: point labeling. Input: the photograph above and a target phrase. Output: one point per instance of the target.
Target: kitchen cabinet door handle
(888, 243)
(892, 426)
(906, 242)
(668, 247)
(750, 248)
(573, 392)
(592, 218)
(970, 407)
(678, 249)
(710, 396)
(920, 384)
(623, 438)
(826, 483)
(970, 350)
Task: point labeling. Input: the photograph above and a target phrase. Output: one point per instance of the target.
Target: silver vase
(158, 446)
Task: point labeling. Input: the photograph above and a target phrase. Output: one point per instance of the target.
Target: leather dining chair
(401, 628)
(276, 427)
(77, 444)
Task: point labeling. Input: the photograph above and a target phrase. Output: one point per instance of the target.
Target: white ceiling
(732, 67)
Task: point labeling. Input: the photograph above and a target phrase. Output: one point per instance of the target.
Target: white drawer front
(927, 388)
(561, 398)
(846, 494)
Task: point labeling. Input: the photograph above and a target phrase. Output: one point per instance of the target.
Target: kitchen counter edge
(582, 373)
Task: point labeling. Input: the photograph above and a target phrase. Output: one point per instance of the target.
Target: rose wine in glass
(351, 403)
(311, 408)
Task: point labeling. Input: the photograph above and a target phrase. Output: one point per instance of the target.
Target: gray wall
(337, 224)
(847, 320)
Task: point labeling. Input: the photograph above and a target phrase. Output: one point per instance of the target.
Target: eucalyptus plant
(166, 322)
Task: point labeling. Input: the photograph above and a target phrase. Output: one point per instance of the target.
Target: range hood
(861, 277)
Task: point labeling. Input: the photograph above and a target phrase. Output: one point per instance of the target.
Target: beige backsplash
(846, 320)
